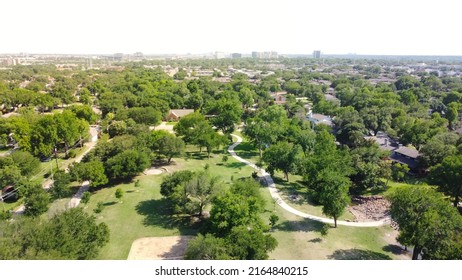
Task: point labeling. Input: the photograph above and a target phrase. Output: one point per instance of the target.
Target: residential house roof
(181, 112)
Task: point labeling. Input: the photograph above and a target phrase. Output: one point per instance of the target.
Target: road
(277, 197)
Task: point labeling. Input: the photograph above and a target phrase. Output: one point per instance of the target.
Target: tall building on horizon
(317, 54)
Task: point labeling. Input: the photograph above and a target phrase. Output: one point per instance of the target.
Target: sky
(388, 27)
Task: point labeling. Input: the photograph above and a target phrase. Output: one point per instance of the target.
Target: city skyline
(205, 26)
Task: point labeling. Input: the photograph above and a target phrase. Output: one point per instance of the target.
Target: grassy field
(300, 238)
(141, 213)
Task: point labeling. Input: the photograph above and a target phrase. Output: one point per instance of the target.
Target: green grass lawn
(142, 213)
(300, 238)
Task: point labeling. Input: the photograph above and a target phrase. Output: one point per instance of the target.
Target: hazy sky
(199, 26)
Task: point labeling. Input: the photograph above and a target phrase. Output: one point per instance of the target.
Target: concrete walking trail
(276, 196)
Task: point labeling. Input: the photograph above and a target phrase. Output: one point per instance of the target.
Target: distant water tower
(317, 54)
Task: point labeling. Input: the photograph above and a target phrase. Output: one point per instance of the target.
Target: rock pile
(370, 208)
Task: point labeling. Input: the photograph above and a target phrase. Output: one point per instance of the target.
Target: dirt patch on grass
(159, 248)
(154, 171)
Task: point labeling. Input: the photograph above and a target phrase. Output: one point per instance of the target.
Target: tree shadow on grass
(110, 203)
(295, 191)
(394, 249)
(177, 251)
(235, 165)
(156, 213)
(305, 225)
(358, 254)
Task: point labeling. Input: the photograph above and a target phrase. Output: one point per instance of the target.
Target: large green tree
(427, 222)
(70, 235)
(333, 194)
(282, 156)
(448, 176)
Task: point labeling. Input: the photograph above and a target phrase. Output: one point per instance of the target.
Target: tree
(84, 112)
(438, 148)
(333, 194)
(117, 128)
(273, 219)
(85, 96)
(448, 176)
(10, 175)
(86, 197)
(426, 221)
(241, 206)
(26, 162)
(229, 112)
(44, 136)
(164, 144)
(72, 234)
(200, 190)
(399, 171)
(119, 193)
(61, 182)
(452, 114)
(282, 156)
(127, 164)
(36, 201)
(250, 243)
(173, 189)
(325, 158)
(188, 192)
(145, 115)
(92, 171)
(207, 247)
(70, 128)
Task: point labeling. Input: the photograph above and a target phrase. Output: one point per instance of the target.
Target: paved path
(276, 196)
(75, 200)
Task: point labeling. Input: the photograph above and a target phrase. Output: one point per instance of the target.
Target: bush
(71, 154)
(99, 207)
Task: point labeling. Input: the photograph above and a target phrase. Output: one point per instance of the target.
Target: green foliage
(84, 112)
(207, 247)
(36, 201)
(273, 219)
(250, 244)
(240, 206)
(126, 164)
(71, 235)
(333, 194)
(26, 162)
(86, 197)
(92, 171)
(165, 144)
(188, 192)
(117, 128)
(229, 112)
(119, 193)
(325, 159)
(283, 156)
(99, 207)
(448, 176)
(61, 184)
(399, 172)
(427, 222)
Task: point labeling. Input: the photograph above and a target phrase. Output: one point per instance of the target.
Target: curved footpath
(275, 195)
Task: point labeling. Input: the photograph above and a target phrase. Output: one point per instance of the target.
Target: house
(279, 97)
(399, 153)
(319, 119)
(408, 156)
(177, 114)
